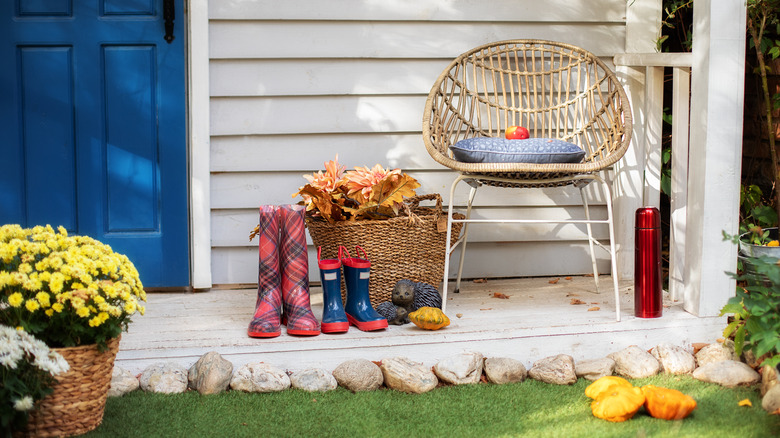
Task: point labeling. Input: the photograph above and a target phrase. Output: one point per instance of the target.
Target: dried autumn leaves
(362, 193)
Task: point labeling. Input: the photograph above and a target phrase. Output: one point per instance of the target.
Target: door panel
(92, 111)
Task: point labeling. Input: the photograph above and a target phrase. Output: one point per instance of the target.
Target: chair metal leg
(448, 245)
(465, 237)
(590, 238)
(612, 251)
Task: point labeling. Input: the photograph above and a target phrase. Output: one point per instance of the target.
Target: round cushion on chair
(501, 150)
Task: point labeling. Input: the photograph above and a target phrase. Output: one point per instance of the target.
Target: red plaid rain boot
(297, 314)
(268, 310)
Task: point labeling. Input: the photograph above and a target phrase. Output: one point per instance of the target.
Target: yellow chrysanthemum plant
(362, 193)
(66, 290)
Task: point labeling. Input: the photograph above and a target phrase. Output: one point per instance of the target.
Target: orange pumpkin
(618, 403)
(667, 404)
(604, 383)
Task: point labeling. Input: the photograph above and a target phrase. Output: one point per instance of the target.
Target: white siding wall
(293, 83)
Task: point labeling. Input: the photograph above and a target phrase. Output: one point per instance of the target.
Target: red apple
(516, 133)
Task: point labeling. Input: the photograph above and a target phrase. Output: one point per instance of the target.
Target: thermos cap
(648, 217)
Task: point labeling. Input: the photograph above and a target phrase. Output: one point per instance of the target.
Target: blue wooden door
(92, 118)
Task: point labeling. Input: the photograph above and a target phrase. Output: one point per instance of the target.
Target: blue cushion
(501, 150)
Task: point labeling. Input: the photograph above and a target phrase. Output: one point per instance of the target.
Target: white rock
(635, 363)
(727, 373)
(460, 369)
(593, 369)
(358, 375)
(405, 375)
(716, 352)
(769, 378)
(313, 379)
(502, 370)
(771, 400)
(122, 382)
(674, 359)
(259, 377)
(164, 377)
(557, 370)
(211, 374)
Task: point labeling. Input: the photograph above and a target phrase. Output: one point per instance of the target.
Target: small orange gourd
(429, 318)
(618, 403)
(667, 404)
(602, 384)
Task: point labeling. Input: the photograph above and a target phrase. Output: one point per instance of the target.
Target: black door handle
(169, 13)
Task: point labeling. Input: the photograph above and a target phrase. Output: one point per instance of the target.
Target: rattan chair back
(555, 90)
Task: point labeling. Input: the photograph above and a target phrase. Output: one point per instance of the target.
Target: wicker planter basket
(76, 405)
(410, 246)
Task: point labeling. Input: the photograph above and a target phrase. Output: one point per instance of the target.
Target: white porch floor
(538, 320)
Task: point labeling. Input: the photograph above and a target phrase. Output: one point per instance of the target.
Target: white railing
(654, 64)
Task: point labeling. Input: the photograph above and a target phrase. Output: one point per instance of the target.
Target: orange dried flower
(361, 181)
(363, 193)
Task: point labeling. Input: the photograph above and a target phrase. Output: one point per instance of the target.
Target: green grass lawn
(528, 409)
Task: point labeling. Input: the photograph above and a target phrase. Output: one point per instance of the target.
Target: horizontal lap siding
(294, 83)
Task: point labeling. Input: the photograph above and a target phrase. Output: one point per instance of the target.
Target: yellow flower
(5, 279)
(32, 305)
(49, 312)
(43, 298)
(25, 268)
(15, 299)
(57, 282)
(57, 307)
(95, 321)
(82, 312)
(131, 307)
(33, 283)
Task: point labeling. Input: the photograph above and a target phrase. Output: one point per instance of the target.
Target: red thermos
(648, 298)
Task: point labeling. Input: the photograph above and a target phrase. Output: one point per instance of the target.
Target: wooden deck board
(537, 320)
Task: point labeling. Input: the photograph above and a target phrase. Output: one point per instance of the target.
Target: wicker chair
(556, 91)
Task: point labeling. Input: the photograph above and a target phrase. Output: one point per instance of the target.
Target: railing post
(681, 88)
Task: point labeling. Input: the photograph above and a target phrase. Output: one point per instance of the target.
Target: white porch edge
(199, 143)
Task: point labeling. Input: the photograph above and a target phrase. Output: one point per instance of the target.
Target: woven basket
(76, 405)
(409, 246)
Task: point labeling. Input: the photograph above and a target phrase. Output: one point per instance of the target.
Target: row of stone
(715, 363)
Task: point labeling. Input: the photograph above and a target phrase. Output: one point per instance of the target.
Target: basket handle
(414, 201)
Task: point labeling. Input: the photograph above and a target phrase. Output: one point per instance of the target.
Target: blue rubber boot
(359, 311)
(334, 320)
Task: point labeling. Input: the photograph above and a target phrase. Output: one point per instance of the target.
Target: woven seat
(555, 90)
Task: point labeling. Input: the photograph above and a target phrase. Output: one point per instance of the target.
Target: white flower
(11, 351)
(24, 404)
(53, 363)
(16, 345)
